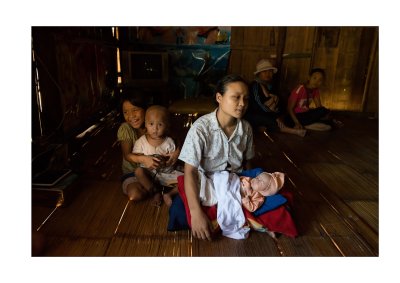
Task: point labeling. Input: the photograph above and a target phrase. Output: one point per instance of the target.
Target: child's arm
(249, 197)
(291, 105)
(172, 157)
(317, 101)
(253, 201)
(290, 109)
(245, 185)
(148, 161)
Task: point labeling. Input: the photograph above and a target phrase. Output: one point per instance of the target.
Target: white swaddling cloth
(230, 216)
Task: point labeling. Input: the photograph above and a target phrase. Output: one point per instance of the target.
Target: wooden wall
(75, 66)
(348, 55)
(250, 44)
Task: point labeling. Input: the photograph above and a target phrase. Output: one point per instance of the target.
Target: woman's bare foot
(299, 132)
(337, 123)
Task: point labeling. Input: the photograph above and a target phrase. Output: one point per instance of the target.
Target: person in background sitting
(266, 109)
(300, 99)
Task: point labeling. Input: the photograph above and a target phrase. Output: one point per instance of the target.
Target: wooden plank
(171, 245)
(258, 37)
(357, 146)
(343, 181)
(293, 70)
(308, 246)
(257, 244)
(61, 246)
(299, 39)
(95, 212)
(144, 219)
(307, 189)
(351, 246)
(105, 165)
(368, 211)
(124, 246)
(359, 227)
(311, 148)
(39, 214)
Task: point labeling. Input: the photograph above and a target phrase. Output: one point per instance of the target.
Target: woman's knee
(135, 192)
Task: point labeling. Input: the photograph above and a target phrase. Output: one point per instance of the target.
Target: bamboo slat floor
(333, 175)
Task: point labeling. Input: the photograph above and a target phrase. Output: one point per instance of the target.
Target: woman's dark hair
(317, 70)
(135, 97)
(222, 83)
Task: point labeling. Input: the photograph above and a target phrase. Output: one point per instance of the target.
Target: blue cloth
(252, 173)
(177, 215)
(127, 175)
(270, 203)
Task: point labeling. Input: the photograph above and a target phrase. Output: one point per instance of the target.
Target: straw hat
(264, 65)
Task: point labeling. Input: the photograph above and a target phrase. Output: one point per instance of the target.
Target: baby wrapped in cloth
(254, 190)
(230, 192)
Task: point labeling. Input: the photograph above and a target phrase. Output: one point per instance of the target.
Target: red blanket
(278, 220)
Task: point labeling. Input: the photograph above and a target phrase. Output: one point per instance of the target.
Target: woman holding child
(218, 141)
(133, 108)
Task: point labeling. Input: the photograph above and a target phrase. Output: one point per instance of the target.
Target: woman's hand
(151, 162)
(172, 157)
(201, 225)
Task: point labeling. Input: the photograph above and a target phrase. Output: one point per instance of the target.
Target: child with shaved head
(156, 143)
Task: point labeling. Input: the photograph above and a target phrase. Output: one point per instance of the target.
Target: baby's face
(261, 182)
(155, 124)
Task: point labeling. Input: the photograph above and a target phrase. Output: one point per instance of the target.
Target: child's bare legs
(146, 180)
(168, 196)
